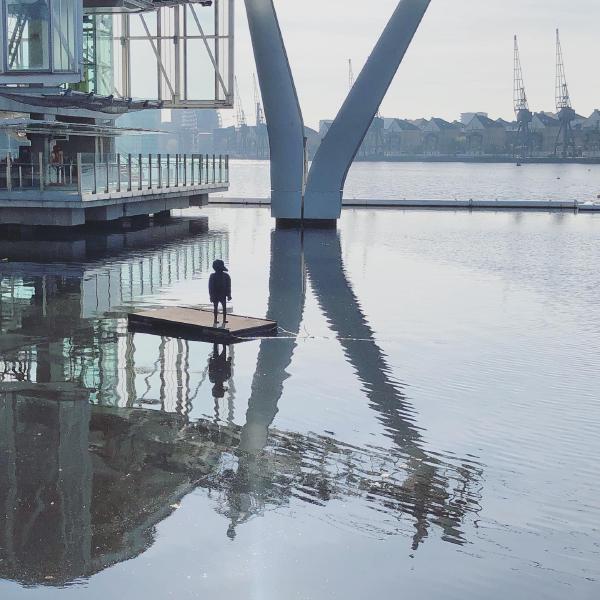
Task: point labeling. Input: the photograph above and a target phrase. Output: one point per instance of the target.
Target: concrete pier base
(199, 200)
(144, 207)
(306, 223)
(36, 216)
(68, 208)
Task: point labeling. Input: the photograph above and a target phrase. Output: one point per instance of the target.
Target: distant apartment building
(440, 137)
(485, 136)
(476, 135)
(402, 137)
(591, 134)
(374, 143)
(252, 141)
(544, 128)
(244, 141)
(466, 117)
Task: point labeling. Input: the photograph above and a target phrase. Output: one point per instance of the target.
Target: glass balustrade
(117, 173)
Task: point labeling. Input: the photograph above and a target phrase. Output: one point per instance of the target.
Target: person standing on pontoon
(219, 288)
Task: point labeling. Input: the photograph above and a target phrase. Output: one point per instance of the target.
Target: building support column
(282, 111)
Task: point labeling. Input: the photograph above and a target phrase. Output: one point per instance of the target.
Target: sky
(461, 59)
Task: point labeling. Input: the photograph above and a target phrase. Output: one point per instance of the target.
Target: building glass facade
(98, 60)
(40, 41)
(28, 30)
(63, 31)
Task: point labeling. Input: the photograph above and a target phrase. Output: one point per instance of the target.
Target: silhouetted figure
(219, 371)
(219, 288)
(25, 156)
(57, 160)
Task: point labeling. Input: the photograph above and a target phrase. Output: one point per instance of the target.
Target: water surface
(426, 423)
(440, 181)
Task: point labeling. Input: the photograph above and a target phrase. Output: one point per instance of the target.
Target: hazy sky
(461, 58)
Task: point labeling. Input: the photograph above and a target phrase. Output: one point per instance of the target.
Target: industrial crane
(240, 114)
(261, 134)
(523, 144)
(241, 125)
(260, 117)
(565, 141)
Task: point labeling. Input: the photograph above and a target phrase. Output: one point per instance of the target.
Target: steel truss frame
(171, 33)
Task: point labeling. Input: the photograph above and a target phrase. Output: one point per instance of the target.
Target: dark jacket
(219, 286)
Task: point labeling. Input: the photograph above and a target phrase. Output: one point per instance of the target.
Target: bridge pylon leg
(327, 176)
(282, 111)
(319, 203)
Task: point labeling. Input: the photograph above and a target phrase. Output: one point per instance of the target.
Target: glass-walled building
(177, 52)
(87, 62)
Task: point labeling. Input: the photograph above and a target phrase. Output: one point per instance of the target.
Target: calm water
(425, 425)
(440, 181)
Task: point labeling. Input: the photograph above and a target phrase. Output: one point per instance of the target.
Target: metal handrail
(115, 173)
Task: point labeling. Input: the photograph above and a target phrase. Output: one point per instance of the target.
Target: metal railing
(116, 173)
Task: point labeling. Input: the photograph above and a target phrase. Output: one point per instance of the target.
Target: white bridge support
(282, 110)
(325, 185)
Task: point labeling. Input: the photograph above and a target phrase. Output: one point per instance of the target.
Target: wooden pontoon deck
(198, 324)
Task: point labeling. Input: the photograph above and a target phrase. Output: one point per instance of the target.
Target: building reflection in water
(91, 462)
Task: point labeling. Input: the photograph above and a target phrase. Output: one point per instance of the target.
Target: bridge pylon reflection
(122, 460)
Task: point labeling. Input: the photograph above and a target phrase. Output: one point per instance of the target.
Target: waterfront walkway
(91, 191)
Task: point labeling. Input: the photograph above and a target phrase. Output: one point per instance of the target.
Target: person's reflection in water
(219, 373)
